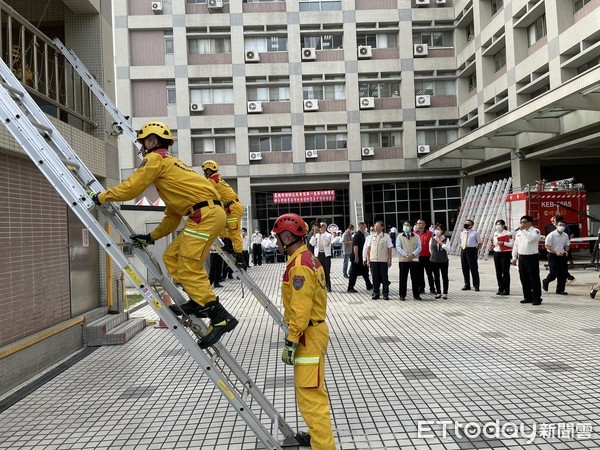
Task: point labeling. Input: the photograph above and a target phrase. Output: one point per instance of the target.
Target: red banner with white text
(304, 196)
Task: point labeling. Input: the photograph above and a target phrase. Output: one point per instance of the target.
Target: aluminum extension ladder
(65, 171)
(122, 122)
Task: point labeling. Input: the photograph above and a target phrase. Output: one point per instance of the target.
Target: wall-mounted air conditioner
(367, 102)
(309, 54)
(311, 105)
(365, 51)
(252, 56)
(421, 2)
(255, 107)
(421, 50)
(368, 151)
(195, 107)
(255, 156)
(215, 5)
(310, 154)
(423, 100)
(422, 149)
(156, 7)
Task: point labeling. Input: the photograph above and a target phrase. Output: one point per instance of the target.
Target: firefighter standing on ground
(185, 193)
(304, 297)
(232, 206)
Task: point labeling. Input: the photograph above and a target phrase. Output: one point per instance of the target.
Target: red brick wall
(34, 262)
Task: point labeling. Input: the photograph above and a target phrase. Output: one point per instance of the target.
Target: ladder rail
(71, 185)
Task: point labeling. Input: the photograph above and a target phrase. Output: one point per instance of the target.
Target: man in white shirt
(379, 259)
(525, 250)
(321, 241)
(557, 243)
(256, 241)
(245, 247)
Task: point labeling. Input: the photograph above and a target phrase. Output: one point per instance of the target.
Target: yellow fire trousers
(309, 378)
(232, 229)
(186, 255)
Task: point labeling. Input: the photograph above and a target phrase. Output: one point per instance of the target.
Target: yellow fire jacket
(178, 185)
(303, 292)
(227, 193)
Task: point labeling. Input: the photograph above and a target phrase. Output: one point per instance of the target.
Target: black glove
(141, 240)
(94, 196)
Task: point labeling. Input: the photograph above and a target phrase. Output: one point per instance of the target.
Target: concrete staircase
(111, 329)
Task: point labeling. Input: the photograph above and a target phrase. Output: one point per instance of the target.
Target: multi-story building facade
(53, 273)
(394, 104)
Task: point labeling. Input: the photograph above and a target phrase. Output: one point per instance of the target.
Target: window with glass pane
(168, 42)
(367, 39)
(277, 44)
(496, 5)
(279, 94)
(332, 41)
(312, 92)
(424, 87)
(500, 59)
(334, 92)
(171, 93)
(537, 30)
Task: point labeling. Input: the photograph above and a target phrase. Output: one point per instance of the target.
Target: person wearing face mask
(408, 246)
(557, 243)
(245, 247)
(503, 243)
(379, 259)
(525, 251)
(256, 240)
(425, 235)
(470, 243)
(439, 260)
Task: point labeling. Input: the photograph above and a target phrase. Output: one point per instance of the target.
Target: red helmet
(292, 223)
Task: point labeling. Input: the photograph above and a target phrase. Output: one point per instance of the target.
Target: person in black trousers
(503, 244)
(408, 246)
(214, 273)
(357, 265)
(439, 261)
(526, 252)
(470, 243)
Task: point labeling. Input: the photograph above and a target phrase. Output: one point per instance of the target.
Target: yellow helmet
(157, 128)
(210, 164)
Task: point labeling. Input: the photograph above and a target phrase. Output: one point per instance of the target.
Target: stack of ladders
(72, 180)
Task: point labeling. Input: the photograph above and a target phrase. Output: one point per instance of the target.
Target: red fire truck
(547, 199)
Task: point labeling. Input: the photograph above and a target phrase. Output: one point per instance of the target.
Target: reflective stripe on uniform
(197, 235)
(232, 219)
(306, 360)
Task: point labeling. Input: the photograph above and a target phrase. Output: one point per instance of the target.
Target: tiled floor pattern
(394, 369)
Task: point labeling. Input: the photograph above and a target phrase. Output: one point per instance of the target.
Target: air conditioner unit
(421, 2)
(311, 105)
(252, 56)
(365, 51)
(423, 100)
(421, 50)
(255, 156)
(310, 154)
(195, 107)
(157, 7)
(368, 151)
(215, 5)
(254, 107)
(367, 102)
(440, 2)
(309, 54)
(422, 149)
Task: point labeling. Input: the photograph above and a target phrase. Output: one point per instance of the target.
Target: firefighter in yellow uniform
(233, 208)
(185, 193)
(304, 297)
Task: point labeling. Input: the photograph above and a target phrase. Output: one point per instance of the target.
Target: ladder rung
(9, 88)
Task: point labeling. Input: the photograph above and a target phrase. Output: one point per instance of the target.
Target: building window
(540, 91)
(382, 85)
(381, 135)
(332, 88)
(203, 46)
(171, 92)
(208, 141)
(270, 139)
(434, 38)
(500, 59)
(435, 135)
(470, 30)
(446, 201)
(472, 81)
(201, 2)
(536, 31)
(211, 91)
(268, 89)
(323, 42)
(497, 5)
(430, 87)
(325, 137)
(588, 65)
(378, 40)
(168, 42)
(578, 4)
(320, 5)
(266, 43)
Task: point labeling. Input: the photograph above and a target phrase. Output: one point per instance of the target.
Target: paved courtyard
(475, 371)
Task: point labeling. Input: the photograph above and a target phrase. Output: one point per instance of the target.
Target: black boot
(303, 438)
(240, 261)
(221, 322)
(190, 308)
(228, 246)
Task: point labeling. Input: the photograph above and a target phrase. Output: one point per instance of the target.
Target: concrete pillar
(356, 195)
(524, 172)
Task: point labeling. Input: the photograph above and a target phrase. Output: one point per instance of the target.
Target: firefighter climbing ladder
(38, 137)
(484, 204)
(123, 123)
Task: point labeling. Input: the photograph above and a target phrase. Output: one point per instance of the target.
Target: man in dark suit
(357, 265)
